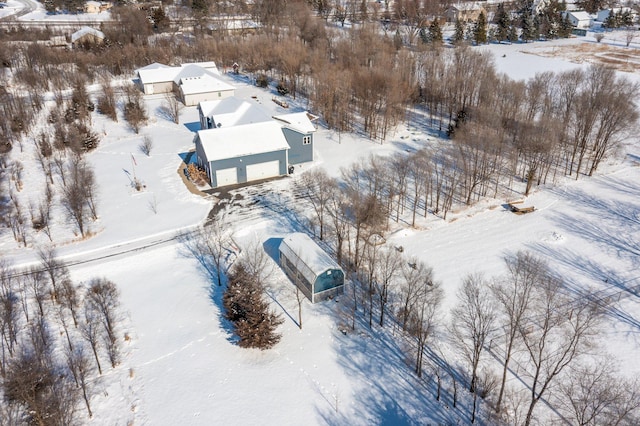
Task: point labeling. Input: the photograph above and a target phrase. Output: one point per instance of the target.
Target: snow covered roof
(238, 141)
(203, 84)
(299, 121)
(159, 73)
(209, 66)
(232, 111)
(580, 15)
(155, 66)
(86, 31)
(313, 260)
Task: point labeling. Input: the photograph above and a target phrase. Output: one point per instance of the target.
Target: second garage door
(263, 170)
(227, 176)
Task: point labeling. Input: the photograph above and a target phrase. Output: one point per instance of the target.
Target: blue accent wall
(299, 153)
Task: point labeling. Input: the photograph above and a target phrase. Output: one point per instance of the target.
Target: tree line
(56, 339)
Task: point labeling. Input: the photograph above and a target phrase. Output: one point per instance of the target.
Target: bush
(262, 80)
(282, 88)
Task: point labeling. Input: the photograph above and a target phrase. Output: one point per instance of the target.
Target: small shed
(310, 268)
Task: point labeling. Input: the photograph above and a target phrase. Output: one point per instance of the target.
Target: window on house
(306, 140)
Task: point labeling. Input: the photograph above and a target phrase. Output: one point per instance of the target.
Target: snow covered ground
(180, 366)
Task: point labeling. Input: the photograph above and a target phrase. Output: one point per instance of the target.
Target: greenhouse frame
(310, 268)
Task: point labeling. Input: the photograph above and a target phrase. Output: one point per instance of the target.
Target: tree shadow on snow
(207, 270)
(390, 393)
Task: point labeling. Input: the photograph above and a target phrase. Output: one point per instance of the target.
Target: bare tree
(514, 293)
(172, 107)
(78, 195)
(146, 146)
(313, 186)
(473, 321)
(55, 269)
(423, 319)
(134, 110)
(78, 364)
(629, 35)
(90, 330)
(386, 272)
(415, 280)
(559, 331)
(103, 296)
(211, 244)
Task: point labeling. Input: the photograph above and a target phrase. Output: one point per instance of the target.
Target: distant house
(464, 12)
(92, 7)
(298, 129)
(603, 15)
(310, 268)
(579, 19)
(244, 153)
(87, 35)
(192, 83)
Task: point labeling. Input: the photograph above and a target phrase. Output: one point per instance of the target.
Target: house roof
(314, 260)
(203, 84)
(232, 111)
(209, 66)
(580, 15)
(239, 141)
(299, 121)
(159, 73)
(85, 31)
(155, 66)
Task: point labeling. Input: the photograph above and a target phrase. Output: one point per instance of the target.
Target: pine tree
(435, 32)
(480, 29)
(253, 321)
(458, 35)
(503, 23)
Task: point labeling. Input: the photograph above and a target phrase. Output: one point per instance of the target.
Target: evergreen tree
(611, 21)
(529, 30)
(458, 34)
(435, 32)
(512, 33)
(503, 23)
(565, 28)
(200, 7)
(253, 321)
(480, 29)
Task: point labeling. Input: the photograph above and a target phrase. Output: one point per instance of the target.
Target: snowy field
(181, 368)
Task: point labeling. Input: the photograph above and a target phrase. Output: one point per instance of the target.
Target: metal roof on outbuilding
(313, 260)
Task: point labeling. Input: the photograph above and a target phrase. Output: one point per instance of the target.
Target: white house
(465, 12)
(602, 15)
(579, 19)
(87, 35)
(192, 83)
